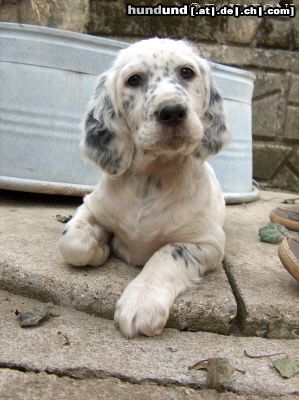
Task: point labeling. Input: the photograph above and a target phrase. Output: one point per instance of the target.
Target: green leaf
(272, 233)
(34, 316)
(63, 219)
(287, 366)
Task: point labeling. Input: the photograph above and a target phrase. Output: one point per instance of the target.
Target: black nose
(172, 114)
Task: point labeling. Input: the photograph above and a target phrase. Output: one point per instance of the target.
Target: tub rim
(105, 42)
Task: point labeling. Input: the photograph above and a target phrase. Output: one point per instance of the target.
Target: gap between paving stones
(266, 294)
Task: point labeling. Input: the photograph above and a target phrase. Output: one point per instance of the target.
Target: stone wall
(269, 47)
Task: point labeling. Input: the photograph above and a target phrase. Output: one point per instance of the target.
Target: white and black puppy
(154, 119)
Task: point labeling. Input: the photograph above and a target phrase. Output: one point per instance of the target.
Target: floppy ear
(215, 132)
(105, 140)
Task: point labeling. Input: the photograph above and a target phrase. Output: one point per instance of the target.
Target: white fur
(160, 194)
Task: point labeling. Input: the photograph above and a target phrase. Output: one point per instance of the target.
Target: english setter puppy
(154, 119)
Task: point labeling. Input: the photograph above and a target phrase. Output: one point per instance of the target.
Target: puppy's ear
(215, 131)
(105, 140)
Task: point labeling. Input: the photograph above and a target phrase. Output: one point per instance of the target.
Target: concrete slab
(267, 295)
(31, 265)
(16, 385)
(97, 350)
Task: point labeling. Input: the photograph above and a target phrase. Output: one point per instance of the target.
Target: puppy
(154, 119)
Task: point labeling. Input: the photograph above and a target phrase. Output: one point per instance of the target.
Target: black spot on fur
(126, 104)
(188, 255)
(97, 138)
(64, 232)
(214, 97)
(98, 141)
(158, 184)
(213, 133)
(152, 183)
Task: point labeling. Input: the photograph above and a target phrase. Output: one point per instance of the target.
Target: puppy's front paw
(80, 244)
(142, 310)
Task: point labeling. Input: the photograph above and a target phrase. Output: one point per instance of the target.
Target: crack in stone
(85, 373)
(241, 308)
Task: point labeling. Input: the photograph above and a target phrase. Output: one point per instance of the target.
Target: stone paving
(98, 351)
(268, 297)
(252, 295)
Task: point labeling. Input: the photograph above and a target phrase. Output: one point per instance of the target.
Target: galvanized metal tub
(46, 79)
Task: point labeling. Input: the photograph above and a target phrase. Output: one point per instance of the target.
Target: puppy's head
(158, 97)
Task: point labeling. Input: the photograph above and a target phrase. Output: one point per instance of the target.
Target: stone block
(275, 33)
(294, 159)
(268, 82)
(267, 158)
(97, 350)
(206, 28)
(266, 293)
(286, 179)
(292, 123)
(9, 11)
(268, 116)
(242, 30)
(109, 18)
(296, 30)
(245, 57)
(294, 89)
(65, 14)
(18, 385)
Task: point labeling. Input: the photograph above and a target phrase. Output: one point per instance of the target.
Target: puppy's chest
(145, 217)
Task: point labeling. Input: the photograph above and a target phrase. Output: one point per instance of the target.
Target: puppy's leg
(145, 303)
(84, 242)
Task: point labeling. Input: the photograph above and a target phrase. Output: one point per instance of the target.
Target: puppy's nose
(172, 114)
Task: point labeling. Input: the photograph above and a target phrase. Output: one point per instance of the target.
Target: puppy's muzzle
(171, 114)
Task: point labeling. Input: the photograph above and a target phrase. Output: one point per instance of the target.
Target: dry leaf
(65, 340)
(63, 219)
(34, 316)
(291, 201)
(219, 371)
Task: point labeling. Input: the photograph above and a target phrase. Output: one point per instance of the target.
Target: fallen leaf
(66, 340)
(272, 233)
(203, 364)
(63, 219)
(34, 316)
(219, 371)
(291, 201)
(287, 366)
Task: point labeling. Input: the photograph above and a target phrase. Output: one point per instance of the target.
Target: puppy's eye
(187, 73)
(134, 80)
